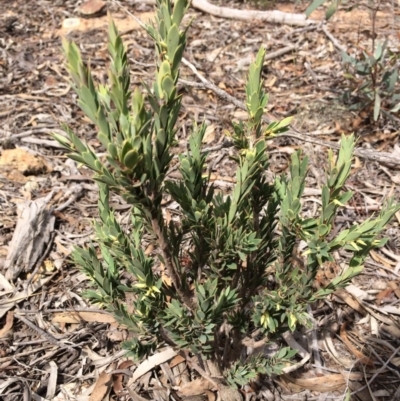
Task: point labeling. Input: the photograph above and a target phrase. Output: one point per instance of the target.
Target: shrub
(373, 81)
(372, 75)
(223, 267)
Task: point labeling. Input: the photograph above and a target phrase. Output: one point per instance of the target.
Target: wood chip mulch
(53, 344)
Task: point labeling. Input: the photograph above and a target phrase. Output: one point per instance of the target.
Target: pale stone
(92, 8)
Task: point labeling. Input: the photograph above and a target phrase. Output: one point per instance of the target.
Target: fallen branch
(335, 42)
(379, 371)
(381, 157)
(49, 337)
(273, 16)
(10, 136)
(288, 337)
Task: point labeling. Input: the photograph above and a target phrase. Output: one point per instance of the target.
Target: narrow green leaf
(332, 8)
(313, 6)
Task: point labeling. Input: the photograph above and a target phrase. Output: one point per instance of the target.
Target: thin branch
(313, 343)
(274, 16)
(378, 372)
(46, 335)
(170, 265)
(335, 42)
(208, 85)
(193, 365)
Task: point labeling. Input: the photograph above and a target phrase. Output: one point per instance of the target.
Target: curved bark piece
(32, 233)
(288, 337)
(274, 16)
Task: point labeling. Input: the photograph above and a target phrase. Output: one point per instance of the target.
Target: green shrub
(330, 10)
(229, 258)
(372, 75)
(373, 81)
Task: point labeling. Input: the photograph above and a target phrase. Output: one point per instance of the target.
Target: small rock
(17, 164)
(13, 175)
(92, 8)
(31, 186)
(51, 81)
(71, 23)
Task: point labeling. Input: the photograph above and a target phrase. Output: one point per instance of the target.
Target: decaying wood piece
(31, 237)
(274, 16)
